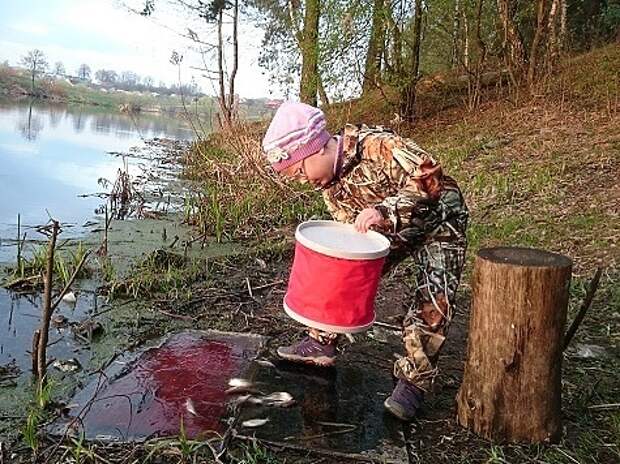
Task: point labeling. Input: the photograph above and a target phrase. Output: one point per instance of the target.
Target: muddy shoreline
(170, 276)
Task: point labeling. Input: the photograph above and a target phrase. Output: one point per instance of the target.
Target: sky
(104, 35)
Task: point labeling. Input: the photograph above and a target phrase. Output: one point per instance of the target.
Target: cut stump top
(520, 256)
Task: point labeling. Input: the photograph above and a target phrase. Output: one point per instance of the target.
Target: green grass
(34, 264)
(160, 272)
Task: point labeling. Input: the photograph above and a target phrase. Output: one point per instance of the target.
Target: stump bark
(511, 390)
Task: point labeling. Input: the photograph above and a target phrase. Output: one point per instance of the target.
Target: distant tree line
(37, 65)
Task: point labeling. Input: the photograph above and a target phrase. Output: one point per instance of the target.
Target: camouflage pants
(438, 267)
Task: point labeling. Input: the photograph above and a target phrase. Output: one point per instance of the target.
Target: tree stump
(511, 390)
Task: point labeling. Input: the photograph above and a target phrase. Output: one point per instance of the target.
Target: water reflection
(51, 153)
(35, 117)
(30, 126)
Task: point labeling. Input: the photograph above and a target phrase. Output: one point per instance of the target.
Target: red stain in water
(151, 398)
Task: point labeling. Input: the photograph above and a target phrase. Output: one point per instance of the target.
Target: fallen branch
(605, 406)
(176, 316)
(584, 308)
(319, 451)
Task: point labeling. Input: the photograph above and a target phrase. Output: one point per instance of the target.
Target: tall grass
(65, 263)
(240, 195)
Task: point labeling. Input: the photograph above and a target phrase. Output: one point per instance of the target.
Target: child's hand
(368, 217)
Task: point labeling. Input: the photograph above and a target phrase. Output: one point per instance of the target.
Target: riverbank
(537, 169)
(15, 84)
(541, 171)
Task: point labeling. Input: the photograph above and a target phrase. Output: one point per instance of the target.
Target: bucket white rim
(326, 327)
(343, 254)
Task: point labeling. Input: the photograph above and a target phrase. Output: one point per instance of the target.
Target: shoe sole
(321, 361)
(395, 409)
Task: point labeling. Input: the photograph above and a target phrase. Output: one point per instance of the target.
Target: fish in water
(240, 386)
(189, 405)
(253, 423)
(69, 298)
(277, 399)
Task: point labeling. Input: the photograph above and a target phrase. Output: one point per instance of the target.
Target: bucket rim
(326, 327)
(383, 248)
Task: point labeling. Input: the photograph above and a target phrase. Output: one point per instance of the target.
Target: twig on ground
(605, 406)
(318, 451)
(584, 308)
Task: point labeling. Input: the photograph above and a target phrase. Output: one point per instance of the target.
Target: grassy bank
(538, 169)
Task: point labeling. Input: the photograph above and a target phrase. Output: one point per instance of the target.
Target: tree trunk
(562, 35)
(475, 78)
(512, 46)
(465, 39)
(511, 388)
(541, 23)
(396, 49)
(455, 34)
(553, 44)
(310, 53)
(220, 71)
(409, 92)
(232, 103)
(322, 92)
(375, 47)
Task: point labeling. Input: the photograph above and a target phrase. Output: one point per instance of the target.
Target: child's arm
(416, 209)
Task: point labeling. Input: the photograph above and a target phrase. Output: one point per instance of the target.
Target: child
(373, 178)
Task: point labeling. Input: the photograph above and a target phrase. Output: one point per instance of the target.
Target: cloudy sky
(103, 34)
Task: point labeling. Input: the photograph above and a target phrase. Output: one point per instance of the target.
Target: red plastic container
(335, 276)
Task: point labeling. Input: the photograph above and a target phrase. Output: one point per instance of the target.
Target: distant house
(274, 103)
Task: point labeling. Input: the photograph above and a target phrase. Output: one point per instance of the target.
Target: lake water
(51, 154)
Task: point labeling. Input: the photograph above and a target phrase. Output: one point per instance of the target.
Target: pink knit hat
(296, 131)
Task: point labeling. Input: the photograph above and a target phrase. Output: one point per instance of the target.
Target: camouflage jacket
(382, 170)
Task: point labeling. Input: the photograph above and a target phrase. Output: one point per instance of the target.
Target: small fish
(189, 405)
(264, 363)
(69, 365)
(69, 298)
(281, 399)
(253, 423)
(240, 386)
(239, 383)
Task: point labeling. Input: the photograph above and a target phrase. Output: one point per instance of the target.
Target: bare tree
(106, 76)
(84, 72)
(542, 13)
(148, 82)
(59, 68)
(36, 62)
(512, 45)
(222, 14)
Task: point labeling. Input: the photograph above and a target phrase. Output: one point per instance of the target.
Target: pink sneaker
(309, 351)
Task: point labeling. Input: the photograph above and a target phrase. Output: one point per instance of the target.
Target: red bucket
(335, 276)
